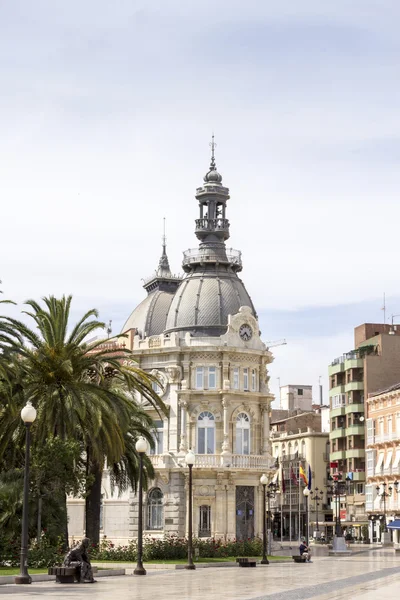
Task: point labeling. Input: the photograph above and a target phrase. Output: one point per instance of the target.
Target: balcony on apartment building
(212, 461)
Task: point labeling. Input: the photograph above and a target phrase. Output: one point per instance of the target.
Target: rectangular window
(205, 521)
(253, 380)
(156, 387)
(370, 431)
(236, 378)
(212, 378)
(246, 445)
(246, 379)
(201, 434)
(299, 392)
(369, 498)
(370, 462)
(158, 438)
(210, 441)
(199, 378)
(239, 433)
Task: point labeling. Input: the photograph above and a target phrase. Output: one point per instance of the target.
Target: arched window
(242, 434)
(206, 433)
(155, 510)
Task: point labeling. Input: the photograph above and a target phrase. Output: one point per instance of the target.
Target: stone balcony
(258, 462)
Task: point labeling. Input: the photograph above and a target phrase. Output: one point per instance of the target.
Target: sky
(106, 114)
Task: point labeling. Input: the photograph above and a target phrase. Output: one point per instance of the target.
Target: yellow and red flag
(302, 475)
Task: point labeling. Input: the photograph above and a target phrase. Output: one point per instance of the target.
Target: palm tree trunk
(93, 501)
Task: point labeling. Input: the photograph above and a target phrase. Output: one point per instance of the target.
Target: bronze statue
(78, 557)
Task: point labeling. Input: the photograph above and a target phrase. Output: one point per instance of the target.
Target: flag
(309, 477)
(302, 475)
(293, 476)
(283, 488)
(334, 465)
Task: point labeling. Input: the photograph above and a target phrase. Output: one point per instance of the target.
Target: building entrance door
(244, 512)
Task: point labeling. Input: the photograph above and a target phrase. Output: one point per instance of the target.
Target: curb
(39, 577)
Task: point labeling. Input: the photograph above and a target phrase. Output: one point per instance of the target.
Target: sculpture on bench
(78, 557)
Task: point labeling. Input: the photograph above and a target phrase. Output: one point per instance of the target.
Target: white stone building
(200, 336)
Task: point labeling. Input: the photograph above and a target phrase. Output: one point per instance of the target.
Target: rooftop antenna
(384, 308)
(109, 329)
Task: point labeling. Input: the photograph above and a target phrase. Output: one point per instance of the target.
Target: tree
(82, 391)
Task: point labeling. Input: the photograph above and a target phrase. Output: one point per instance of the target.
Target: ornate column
(183, 444)
(226, 448)
(265, 429)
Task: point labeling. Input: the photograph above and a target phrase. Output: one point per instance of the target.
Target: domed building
(199, 336)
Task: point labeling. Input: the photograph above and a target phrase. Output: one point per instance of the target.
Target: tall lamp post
(189, 459)
(306, 493)
(28, 415)
(316, 496)
(381, 491)
(141, 447)
(264, 481)
(337, 487)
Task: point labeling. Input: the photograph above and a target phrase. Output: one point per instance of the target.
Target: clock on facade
(245, 332)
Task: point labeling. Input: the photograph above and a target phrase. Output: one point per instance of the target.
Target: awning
(388, 459)
(396, 460)
(380, 462)
(394, 524)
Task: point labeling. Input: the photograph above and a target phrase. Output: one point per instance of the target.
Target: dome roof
(150, 316)
(204, 300)
(213, 176)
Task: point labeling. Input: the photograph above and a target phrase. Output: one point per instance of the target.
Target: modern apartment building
(383, 460)
(372, 365)
(294, 397)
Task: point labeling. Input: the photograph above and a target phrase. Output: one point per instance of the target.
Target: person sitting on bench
(78, 557)
(305, 551)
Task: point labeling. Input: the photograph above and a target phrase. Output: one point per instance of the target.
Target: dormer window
(206, 378)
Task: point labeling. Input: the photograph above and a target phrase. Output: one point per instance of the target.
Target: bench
(246, 562)
(299, 558)
(66, 574)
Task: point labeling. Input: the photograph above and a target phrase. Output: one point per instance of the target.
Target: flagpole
(290, 503)
(299, 505)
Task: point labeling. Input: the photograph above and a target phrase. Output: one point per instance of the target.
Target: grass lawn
(15, 571)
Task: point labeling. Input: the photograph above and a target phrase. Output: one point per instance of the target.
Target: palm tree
(8, 335)
(81, 390)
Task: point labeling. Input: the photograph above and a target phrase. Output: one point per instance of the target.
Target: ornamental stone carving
(174, 374)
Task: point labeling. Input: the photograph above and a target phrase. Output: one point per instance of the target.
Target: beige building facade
(383, 460)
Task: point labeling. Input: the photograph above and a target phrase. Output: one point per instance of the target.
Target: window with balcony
(155, 509)
(236, 378)
(246, 379)
(206, 433)
(206, 378)
(158, 437)
(338, 400)
(242, 434)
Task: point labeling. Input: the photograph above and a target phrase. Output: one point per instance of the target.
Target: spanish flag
(302, 475)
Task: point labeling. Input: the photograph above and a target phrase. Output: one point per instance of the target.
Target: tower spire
(163, 265)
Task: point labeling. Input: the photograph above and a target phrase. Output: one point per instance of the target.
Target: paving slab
(325, 578)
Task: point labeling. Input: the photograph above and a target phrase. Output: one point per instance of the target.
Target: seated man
(78, 557)
(305, 551)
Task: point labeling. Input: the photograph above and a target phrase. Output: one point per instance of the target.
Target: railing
(196, 255)
(210, 461)
(211, 224)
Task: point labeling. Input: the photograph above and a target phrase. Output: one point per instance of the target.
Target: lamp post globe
(28, 415)
(263, 479)
(190, 460)
(141, 447)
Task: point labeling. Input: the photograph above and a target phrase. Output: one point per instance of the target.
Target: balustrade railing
(209, 461)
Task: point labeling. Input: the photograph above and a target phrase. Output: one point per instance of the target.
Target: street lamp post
(306, 493)
(141, 447)
(338, 487)
(264, 481)
(381, 491)
(28, 415)
(316, 496)
(189, 459)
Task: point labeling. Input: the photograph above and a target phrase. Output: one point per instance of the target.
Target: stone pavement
(374, 574)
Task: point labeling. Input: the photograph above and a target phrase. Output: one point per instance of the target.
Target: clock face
(245, 332)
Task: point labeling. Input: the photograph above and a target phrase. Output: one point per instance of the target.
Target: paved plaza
(374, 574)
